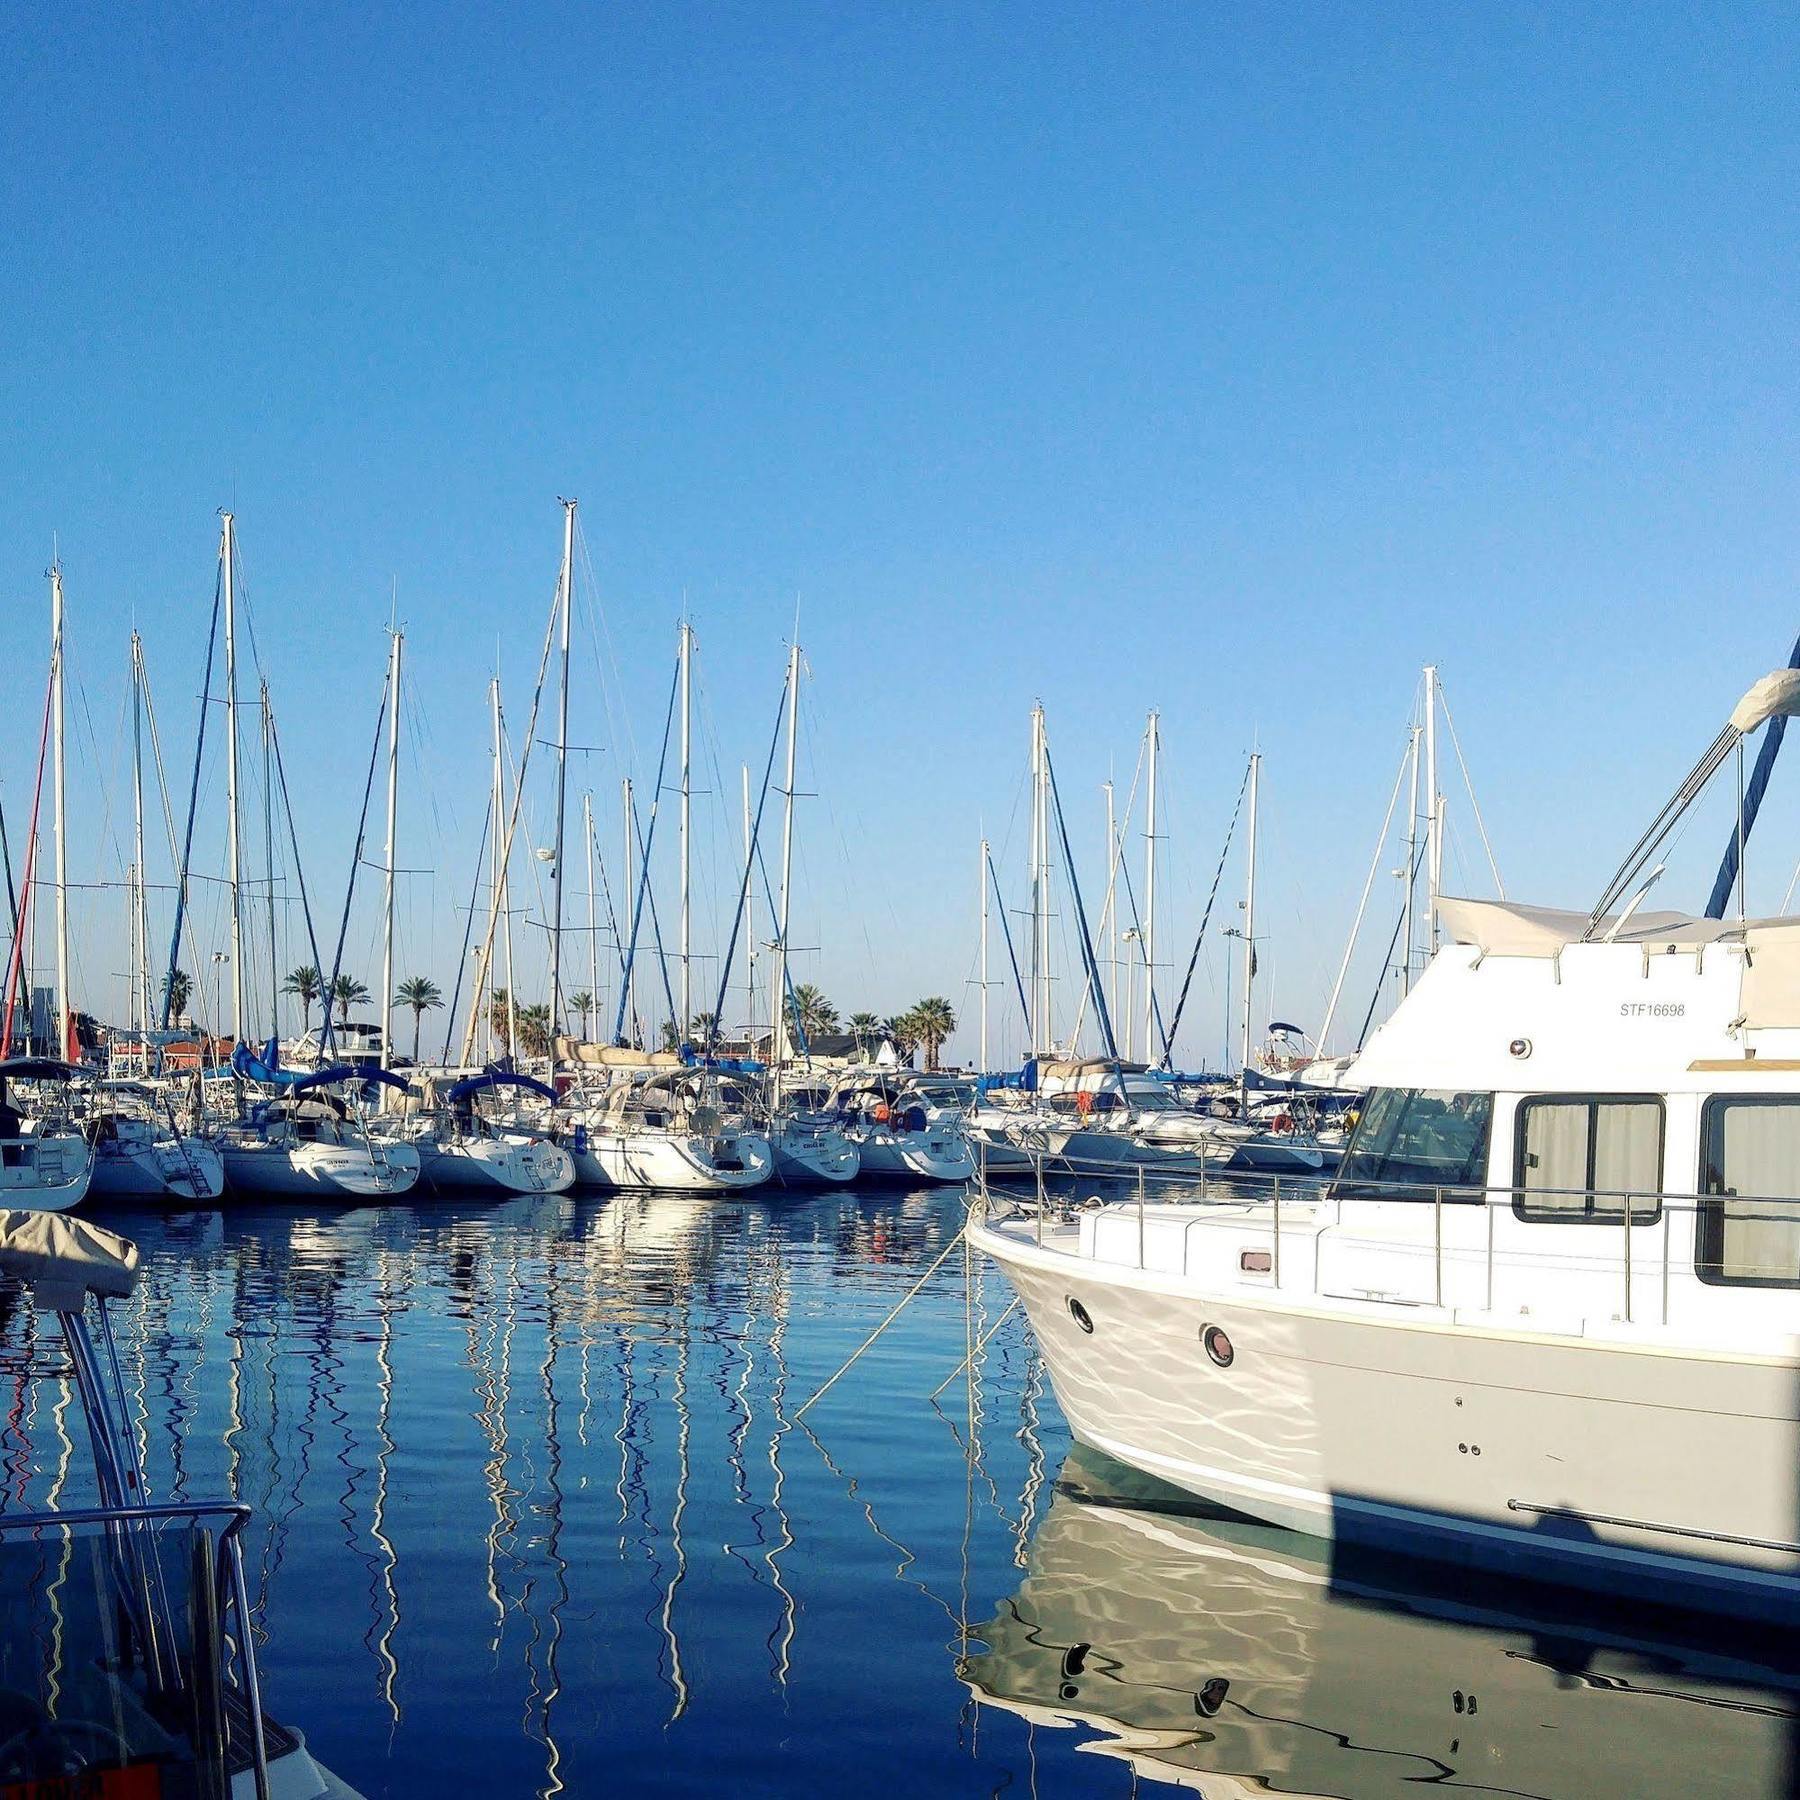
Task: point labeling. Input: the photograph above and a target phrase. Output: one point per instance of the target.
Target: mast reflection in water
(535, 1515)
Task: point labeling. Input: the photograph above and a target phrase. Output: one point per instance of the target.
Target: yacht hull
(192, 1175)
(667, 1163)
(808, 1160)
(496, 1166)
(47, 1173)
(916, 1156)
(1606, 1465)
(320, 1171)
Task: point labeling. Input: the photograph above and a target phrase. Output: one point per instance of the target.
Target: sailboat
(140, 1151)
(463, 1151)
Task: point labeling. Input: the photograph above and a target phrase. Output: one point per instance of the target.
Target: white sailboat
(140, 1151)
(1546, 1316)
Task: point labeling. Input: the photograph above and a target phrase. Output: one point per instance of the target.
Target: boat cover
(1771, 990)
(63, 1259)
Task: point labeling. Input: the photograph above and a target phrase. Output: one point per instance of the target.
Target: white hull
(320, 1171)
(46, 1173)
(804, 1158)
(190, 1173)
(1605, 1465)
(934, 1155)
(495, 1166)
(665, 1162)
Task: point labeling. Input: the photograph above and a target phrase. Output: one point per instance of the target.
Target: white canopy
(1773, 694)
(63, 1259)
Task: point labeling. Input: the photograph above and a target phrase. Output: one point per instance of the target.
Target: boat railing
(1623, 1218)
(218, 1615)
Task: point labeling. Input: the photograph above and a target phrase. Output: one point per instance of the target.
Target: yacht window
(1749, 1232)
(1577, 1157)
(1412, 1142)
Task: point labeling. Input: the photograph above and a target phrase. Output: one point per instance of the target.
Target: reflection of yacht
(665, 1130)
(141, 1152)
(125, 1628)
(306, 1143)
(1546, 1316)
(45, 1162)
(1223, 1657)
(902, 1130)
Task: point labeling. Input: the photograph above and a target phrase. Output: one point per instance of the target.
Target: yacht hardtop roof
(1508, 928)
(61, 1259)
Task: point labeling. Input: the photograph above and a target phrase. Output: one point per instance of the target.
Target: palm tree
(534, 1030)
(865, 1027)
(347, 992)
(419, 992)
(304, 985)
(499, 1014)
(901, 1030)
(810, 1011)
(178, 985)
(582, 1004)
(703, 1029)
(933, 1020)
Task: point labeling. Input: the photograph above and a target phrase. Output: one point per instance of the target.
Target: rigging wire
(1200, 937)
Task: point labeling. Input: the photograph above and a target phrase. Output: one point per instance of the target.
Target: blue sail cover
(265, 1068)
(1754, 790)
(472, 1085)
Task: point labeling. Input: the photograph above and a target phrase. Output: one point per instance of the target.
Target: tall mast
(65, 1013)
(1040, 908)
(1150, 1052)
(1410, 886)
(562, 781)
(502, 875)
(1112, 909)
(268, 749)
(629, 809)
(228, 552)
(1250, 913)
(749, 911)
(983, 878)
(780, 1001)
(1434, 818)
(393, 814)
(687, 710)
(587, 831)
(140, 912)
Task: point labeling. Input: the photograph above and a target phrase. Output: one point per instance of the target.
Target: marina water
(534, 1515)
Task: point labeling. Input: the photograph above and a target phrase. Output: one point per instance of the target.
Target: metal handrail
(1634, 1210)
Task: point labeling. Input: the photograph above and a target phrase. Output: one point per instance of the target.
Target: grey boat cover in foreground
(63, 1259)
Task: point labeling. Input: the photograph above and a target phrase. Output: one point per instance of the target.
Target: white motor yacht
(1548, 1315)
(45, 1160)
(125, 1627)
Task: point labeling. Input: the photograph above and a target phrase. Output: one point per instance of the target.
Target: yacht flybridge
(1547, 1316)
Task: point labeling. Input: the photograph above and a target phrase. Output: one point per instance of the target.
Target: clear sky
(1229, 360)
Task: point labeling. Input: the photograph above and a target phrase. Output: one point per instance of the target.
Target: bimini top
(471, 1085)
(1506, 928)
(1770, 948)
(62, 1260)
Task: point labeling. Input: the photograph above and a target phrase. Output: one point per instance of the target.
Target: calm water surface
(534, 1517)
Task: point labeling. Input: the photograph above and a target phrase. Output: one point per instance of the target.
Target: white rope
(943, 1257)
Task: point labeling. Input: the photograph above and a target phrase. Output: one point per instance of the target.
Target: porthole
(1217, 1345)
(1079, 1314)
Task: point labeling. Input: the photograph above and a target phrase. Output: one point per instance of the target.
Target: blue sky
(1233, 361)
